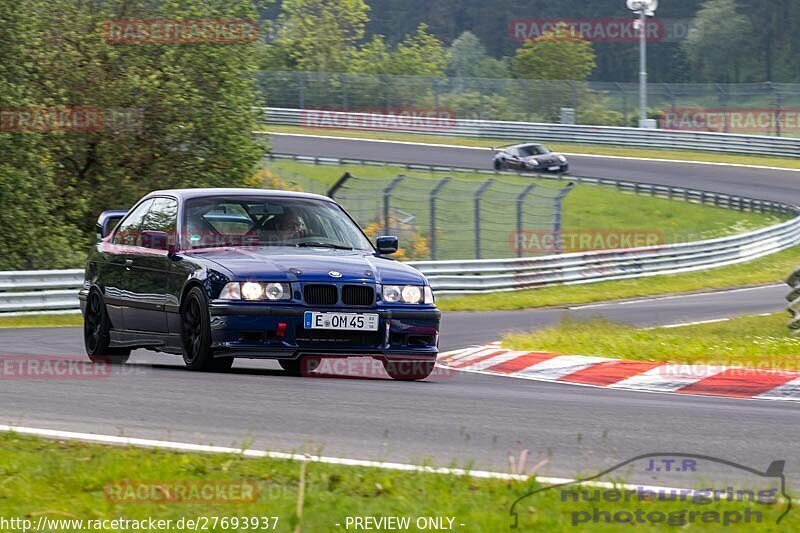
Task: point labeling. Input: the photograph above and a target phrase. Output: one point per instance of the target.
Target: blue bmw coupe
(215, 274)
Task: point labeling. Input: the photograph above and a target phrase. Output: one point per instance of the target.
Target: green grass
(769, 269)
(67, 480)
(684, 155)
(755, 341)
(586, 207)
(32, 321)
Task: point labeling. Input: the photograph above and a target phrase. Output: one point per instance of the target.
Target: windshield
(269, 221)
(532, 149)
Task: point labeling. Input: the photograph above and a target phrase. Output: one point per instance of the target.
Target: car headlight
(562, 159)
(407, 294)
(254, 290)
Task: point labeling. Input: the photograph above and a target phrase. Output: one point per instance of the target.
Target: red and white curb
(647, 376)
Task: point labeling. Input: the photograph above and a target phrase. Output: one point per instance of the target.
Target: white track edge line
(647, 299)
(487, 148)
(203, 448)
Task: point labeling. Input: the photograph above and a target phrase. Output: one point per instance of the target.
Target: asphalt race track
(455, 417)
(766, 184)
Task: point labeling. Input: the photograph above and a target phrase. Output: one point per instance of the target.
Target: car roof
(186, 194)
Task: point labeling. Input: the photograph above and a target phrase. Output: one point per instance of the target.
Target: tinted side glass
(163, 216)
(129, 231)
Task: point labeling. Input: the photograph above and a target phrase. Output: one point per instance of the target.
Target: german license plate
(553, 168)
(341, 321)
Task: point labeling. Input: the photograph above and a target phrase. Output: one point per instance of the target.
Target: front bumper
(254, 330)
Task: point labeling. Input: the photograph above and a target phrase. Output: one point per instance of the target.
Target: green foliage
(173, 115)
(319, 35)
(557, 55)
(468, 59)
(718, 42)
(419, 54)
(472, 104)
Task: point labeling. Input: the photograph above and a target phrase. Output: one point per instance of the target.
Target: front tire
(97, 333)
(196, 335)
(498, 165)
(409, 370)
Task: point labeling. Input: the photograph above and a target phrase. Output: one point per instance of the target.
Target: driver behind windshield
(289, 226)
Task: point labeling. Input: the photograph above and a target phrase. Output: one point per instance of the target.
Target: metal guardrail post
(558, 202)
(520, 203)
(477, 200)
(432, 202)
(387, 199)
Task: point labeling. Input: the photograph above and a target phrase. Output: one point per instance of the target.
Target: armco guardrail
(29, 291)
(520, 131)
(487, 275)
(481, 276)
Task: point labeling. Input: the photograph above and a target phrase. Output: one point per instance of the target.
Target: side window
(129, 231)
(163, 216)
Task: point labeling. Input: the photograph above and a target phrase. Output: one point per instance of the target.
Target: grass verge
(73, 481)
(770, 269)
(753, 341)
(49, 321)
(622, 151)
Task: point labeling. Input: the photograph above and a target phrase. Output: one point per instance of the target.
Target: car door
(149, 269)
(118, 252)
(514, 161)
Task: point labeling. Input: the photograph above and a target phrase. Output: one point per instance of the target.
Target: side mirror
(387, 244)
(157, 240)
(107, 221)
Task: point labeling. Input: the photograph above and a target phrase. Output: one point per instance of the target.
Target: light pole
(643, 8)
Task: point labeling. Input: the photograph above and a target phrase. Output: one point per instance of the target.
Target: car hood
(271, 263)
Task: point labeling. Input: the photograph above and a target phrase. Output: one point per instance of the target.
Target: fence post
(387, 196)
(723, 101)
(338, 185)
(302, 93)
(520, 203)
(477, 199)
(624, 103)
(343, 83)
(778, 105)
(432, 201)
(557, 212)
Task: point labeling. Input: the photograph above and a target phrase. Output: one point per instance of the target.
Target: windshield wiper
(313, 244)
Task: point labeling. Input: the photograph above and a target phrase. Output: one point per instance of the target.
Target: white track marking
(668, 378)
(695, 323)
(497, 359)
(486, 148)
(785, 391)
(674, 296)
(202, 448)
(560, 366)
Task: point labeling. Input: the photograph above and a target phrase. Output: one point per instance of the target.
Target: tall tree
(556, 55)
(318, 35)
(719, 44)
